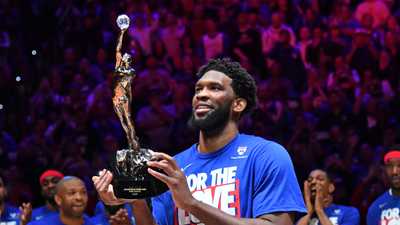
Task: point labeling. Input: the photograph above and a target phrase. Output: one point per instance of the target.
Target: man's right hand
(307, 197)
(105, 189)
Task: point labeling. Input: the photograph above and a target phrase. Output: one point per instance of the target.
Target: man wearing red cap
(48, 182)
(386, 209)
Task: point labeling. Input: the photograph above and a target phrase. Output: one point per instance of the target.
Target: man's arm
(177, 183)
(140, 210)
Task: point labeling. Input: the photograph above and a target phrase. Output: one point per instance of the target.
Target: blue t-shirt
(10, 216)
(41, 212)
(100, 217)
(338, 215)
(385, 210)
(55, 220)
(247, 178)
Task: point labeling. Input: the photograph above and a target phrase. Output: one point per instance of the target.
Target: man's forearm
(141, 213)
(323, 219)
(211, 216)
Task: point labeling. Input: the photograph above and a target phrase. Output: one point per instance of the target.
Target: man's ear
(331, 188)
(58, 199)
(239, 105)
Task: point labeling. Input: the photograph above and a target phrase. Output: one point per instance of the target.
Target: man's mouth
(313, 190)
(202, 108)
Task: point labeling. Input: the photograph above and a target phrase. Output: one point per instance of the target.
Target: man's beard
(215, 119)
(50, 199)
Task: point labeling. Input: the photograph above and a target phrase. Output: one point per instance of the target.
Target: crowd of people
(327, 71)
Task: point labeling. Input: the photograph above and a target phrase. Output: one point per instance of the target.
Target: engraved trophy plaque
(131, 179)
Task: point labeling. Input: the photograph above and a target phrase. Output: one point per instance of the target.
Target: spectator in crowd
(155, 120)
(362, 54)
(9, 214)
(48, 182)
(71, 198)
(318, 189)
(154, 76)
(347, 23)
(172, 34)
(284, 54)
(272, 35)
(141, 31)
(378, 9)
(302, 44)
(381, 210)
(213, 44)
(246, 42)
(367, 22)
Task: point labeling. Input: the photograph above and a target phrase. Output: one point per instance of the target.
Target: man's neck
(52, 206)
(70, 220)
(213, 141)
(3, 207)
(395, 192)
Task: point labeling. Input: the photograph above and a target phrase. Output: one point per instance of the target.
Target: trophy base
(139, 186)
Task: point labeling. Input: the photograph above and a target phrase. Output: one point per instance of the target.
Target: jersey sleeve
(159, 209)
(352, 217)
(276, 188)
(371, 216)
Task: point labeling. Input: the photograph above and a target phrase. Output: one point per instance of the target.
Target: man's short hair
(243, 84)
(328, 175)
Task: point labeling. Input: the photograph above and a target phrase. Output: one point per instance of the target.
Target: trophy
(131, 179)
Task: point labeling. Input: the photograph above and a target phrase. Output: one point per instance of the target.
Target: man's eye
(215, 88)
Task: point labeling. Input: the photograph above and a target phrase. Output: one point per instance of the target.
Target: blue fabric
(10, 216)
(100, 217)
(338, 214)
(384, 211)
(42, 212)
(55, 220)
(249, 177)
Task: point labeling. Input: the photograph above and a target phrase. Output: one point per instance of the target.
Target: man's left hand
(176, 179)
(26, 210)
(121, 218)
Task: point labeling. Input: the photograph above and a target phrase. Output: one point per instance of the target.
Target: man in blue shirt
(71, 197)
(227, 178)
(385, 210)
(11, 215)
(318, 191)
(48, 182)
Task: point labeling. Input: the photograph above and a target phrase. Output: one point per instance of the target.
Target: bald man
(72, 198)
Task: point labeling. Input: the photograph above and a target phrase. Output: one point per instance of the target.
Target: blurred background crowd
(328, 73)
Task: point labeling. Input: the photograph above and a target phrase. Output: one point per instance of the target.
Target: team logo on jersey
(13, 215)
(242, 150)
(222, 193)
(337, 211)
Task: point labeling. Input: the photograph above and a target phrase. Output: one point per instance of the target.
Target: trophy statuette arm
(118, 49)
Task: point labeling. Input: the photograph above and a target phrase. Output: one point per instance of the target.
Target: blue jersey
(338, 215)
(10, 216)
(41, 212)
(55, 220)
(100, 217)
(249, 177)
(385, 210)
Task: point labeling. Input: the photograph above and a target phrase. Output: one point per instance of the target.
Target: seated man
(71, 198)
(48, 182)
(9, 214)
(318, 191)
(106, 214)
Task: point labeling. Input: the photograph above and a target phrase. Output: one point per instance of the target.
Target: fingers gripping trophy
(130, 177)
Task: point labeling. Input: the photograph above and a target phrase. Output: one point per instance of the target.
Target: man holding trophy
(226, 178)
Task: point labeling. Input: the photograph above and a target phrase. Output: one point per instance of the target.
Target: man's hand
(26, 210)
(105, 189)
(121, 218)
(176, 179)
(319, 199)
(307, 197)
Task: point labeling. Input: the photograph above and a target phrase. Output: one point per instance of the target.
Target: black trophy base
(139, 186)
